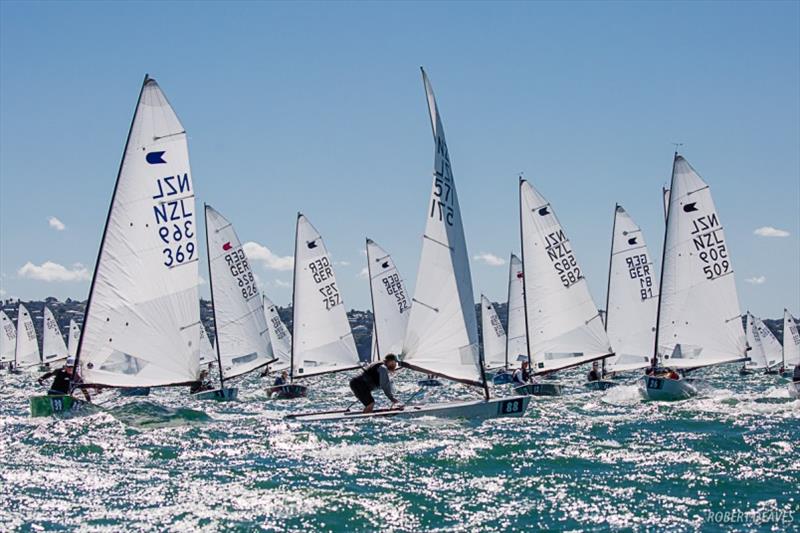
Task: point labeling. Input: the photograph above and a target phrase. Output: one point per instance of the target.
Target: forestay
(54, 349)
(142, 325)
(242, 336)
(791, 341)
(391, 303)
(279, 336)
(26, 352)
(564, 326)
(74, 338)
(494, 336)
(699, 305)
(442, 335)
(517, 335)
(632, 299)
(8, 338)
(322, 339)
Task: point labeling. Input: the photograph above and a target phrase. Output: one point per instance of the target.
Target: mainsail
(279, 336)
(698, 305)
(54, 349)
(322, 338)
(517, 334)
(632, 298)
(74, 338)
(494, 336)
(8, 338)
(442, 335)
(758, 358)
(142, 325)
(564, 326)
(242, 337)
(391, 303)
(26, 353)
(207, 354)
(791, 341)
(769, 343)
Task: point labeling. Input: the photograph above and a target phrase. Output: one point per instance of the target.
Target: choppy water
(586, 461)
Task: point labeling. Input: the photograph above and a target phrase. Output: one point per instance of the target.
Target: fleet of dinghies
(142, 324)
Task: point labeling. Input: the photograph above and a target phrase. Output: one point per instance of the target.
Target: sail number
(240, 270)
(30, 331)
(322, 273)
(277, 325)
(639, 268)
(175, 219)
(511, 406)
(561, 257)
(497, 326)
(709, 242)
(443, 200)
(394, 286)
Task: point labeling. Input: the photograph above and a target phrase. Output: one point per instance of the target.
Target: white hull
(476, 409)
(794, 389)
(226, 394)
(665, 389)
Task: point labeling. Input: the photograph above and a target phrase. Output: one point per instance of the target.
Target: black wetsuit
(521, 376)
(62, 382)
(594, 375)
(374, 376)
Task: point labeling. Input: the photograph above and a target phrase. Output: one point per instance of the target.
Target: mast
(294, 304)
(372, 302)
(213, 306)
(508, 302)
(608, 287)
(663, 256)
(108, 218)
(524, 290)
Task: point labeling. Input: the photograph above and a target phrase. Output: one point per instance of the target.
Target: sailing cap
(70, 361)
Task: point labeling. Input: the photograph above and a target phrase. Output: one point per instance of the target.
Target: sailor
(521, 375)
(594, 373)
(281, 380)
(63, 380)
(202, 383)
(796, 374)
(375, 376)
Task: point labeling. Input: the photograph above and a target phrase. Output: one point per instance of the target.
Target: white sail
(564, 326)
(442, 335)
(54, 349)
(279, 336)
(322, 338)
(665, 198)
(26, 353)
(699, 304)
(494, 336)
(758, 359)
(632, 297)
(8, 338)
(74, 338)
(142, 325)
(242, 336)
(769, 344)
(791, 341)
(207, 353)
(391, 303)
(517, 342)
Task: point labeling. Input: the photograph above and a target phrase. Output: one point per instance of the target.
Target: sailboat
(26, 352)
(564, 326)
(698, 321)
(322, 341)
(73, 338)
(54, 349)
(493, 336)
(442, 334)
(207, 354)
(631, 299)
(279, 336)
(791, 345)
(8, 340)
(765, 350)
(243, 343)
(516, 349)
(142, 323)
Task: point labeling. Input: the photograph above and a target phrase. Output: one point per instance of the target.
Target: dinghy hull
(220, 395)
(540, 389)
(502, 378)
(663, 389)
(288, 392)
(135, 391)
(600, 384)
(50, 405)
(429, 383)
(471, 410)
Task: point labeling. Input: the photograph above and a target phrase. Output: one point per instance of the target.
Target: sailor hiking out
(64, 380)
(376, 375)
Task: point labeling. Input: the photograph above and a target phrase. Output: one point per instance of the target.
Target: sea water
(588, 460)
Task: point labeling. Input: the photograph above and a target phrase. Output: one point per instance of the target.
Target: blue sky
(319, 108)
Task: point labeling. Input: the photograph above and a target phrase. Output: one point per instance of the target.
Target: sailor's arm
(46, 376)
(386, 384)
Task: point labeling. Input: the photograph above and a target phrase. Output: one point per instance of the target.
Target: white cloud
(284, 284)
(342, 263)
(364, 273)
(489, 259)
(264, 256)
(56, 224)
(769, 231)
(757, 280)
(50, 271)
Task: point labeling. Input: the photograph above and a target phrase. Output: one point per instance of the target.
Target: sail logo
(632, 241)
(544, 211)
(690, 207)
(227, 246)
(155, 158)
(311, 245)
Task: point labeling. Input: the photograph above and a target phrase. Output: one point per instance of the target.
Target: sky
(319, 108)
